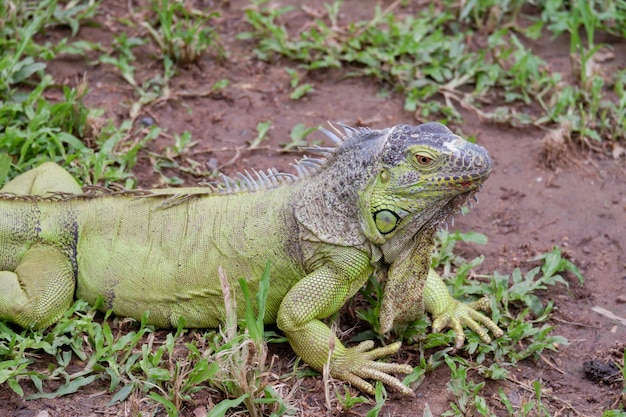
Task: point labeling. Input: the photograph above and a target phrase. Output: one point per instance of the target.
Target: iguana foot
(359, 363)
(448, 312)
(459, 314)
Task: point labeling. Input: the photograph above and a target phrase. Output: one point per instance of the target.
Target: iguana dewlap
(371, 205)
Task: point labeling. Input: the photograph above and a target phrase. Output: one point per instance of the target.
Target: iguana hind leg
(46, 179)
(40, 289)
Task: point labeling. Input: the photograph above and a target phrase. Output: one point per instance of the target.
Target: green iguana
(370, 205)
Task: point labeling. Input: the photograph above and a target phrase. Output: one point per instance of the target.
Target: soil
(526, 208)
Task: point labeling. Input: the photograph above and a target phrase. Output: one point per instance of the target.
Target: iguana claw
(461, 314)
(359, 363)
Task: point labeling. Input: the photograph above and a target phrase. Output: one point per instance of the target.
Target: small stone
(147, 121)
(200, 411)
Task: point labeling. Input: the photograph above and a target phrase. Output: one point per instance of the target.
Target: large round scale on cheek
(386, 221)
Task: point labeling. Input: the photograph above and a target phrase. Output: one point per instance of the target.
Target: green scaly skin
(370, 206)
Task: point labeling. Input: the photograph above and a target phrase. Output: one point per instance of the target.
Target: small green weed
(262, 129)
(487, 15)
(298, 135)
(183, 34)
(149, 91)
(348, 401)
(177, 157)
(124, 46)
(242, 354)
(467, 399)
(528, 407)
(299, 90)
(380, 397)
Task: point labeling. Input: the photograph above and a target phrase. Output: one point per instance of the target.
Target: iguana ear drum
(386, 221)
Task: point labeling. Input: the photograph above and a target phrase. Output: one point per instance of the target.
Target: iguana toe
(359, 365)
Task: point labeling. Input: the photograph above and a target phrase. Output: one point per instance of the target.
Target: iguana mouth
(460, 188)
(474, 182)
(469, 185)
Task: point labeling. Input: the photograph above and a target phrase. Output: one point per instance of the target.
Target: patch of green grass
(516, 306)
(427, 57)
(181, 32)
(35, 130)
(412, 54)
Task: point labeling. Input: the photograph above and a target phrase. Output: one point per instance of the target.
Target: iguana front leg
(412, 288)
(321, 294)
(41, 287)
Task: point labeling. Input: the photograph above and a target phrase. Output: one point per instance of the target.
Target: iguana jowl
(369, 206)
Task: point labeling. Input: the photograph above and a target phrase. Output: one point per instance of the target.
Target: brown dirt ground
(525, 208)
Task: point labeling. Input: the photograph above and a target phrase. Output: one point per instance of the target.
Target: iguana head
(426, 173)
(393, 182)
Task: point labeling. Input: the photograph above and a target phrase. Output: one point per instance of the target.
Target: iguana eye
(423, 160)
(386, 221)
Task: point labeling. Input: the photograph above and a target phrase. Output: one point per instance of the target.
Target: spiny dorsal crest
(242, 182)
(305, 167)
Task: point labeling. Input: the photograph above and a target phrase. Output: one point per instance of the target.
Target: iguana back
(160, 252)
